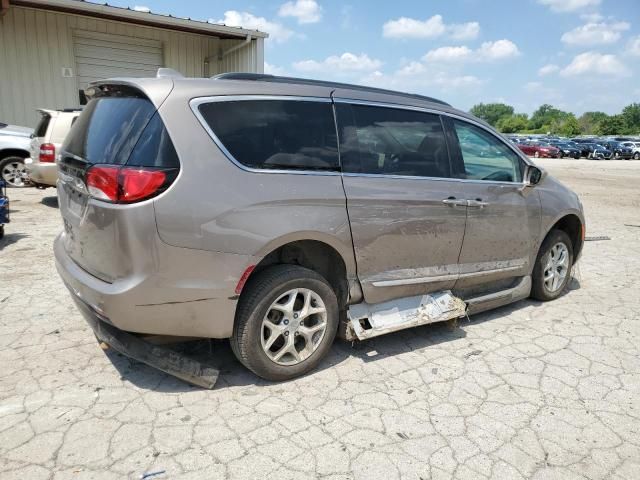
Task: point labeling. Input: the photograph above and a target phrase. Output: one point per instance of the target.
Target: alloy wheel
(15, 174)
(557, 267)
(293, 326)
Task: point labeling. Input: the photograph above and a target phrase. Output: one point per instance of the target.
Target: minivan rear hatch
(117, 157)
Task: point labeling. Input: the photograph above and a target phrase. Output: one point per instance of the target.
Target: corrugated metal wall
(36, 45)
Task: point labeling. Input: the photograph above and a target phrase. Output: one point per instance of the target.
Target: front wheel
(636, 156)
(537, 154)
(552, 271)
(286, 321)
(13, 172)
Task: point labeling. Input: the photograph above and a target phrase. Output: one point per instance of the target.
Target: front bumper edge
(155, 356)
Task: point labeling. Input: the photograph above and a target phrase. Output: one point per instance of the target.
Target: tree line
(548, 119)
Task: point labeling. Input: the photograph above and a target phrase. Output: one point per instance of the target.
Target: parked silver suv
(277, 211)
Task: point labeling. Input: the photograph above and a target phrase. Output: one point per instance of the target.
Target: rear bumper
(42, 173)
(189, 292)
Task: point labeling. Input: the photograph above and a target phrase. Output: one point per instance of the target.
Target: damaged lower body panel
(367, 321)
(156, 356)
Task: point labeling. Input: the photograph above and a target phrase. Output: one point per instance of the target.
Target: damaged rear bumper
(162, 358)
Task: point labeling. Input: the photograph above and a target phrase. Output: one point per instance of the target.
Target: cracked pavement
(542, 391)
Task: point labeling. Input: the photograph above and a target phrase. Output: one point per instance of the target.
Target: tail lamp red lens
(123, 184)
(47, 153)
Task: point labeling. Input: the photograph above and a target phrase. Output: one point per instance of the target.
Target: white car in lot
(635, 146)
(45, 145)
(14, 148)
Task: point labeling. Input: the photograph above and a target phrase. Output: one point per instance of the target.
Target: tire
(540, 289)
(1, 231)
(256, 310)
(636, 156)
(536, 155)
(8, 166)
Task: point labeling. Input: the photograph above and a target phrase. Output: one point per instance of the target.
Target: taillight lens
(47, 153)
(124, 184)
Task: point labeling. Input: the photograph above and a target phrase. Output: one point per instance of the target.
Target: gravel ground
(544, 391)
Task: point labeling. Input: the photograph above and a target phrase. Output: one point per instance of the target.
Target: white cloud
(488, 51)
(417, 76)
(634, 46)
(590, 63)
(548, 70)
(569, 5)
(273, 69)
(449, 54)
(405, 27)
(464, 31)
(595, 34)
(498, 50)
(277, 32)
(142, 8)
(347, 62)
(306, 11)
(592, 17)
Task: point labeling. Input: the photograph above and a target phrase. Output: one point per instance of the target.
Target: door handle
(454, 202)
(476, 204)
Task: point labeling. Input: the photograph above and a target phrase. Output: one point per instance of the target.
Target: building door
(102, 55)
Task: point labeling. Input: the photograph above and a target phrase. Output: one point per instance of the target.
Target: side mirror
(533, 176)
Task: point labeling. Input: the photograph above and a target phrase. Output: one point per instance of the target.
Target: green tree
(613, 125)
(513, 124)
(570, 126)
(547, 115)
(589, 122)
(631, 116)
(491, 112)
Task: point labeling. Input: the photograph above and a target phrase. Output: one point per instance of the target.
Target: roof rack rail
(263, 77)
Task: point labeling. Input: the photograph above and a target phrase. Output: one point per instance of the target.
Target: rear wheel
(285, 322)
(13, 172)
(552, 270)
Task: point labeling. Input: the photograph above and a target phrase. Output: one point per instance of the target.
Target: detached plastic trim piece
(155, 356)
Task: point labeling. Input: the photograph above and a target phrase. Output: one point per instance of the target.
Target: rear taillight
(124, 184)
(47, 153)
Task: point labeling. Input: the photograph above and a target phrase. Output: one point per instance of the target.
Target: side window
(485, 157)
(276, 134)
(390, 141)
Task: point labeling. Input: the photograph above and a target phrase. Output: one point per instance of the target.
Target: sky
(578, 55)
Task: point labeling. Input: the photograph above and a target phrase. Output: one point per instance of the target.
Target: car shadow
(218, 354)
(50, 201)
(11, 238)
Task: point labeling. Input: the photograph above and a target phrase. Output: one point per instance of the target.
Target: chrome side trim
(442, 278)
(196, 102)
(414, 281)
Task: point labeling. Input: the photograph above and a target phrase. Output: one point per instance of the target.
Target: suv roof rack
(263, 77)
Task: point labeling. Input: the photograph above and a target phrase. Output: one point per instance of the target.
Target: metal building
(51, 49)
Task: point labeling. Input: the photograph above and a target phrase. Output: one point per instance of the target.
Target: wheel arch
(13, 152)
(318, 255)
(573, 226)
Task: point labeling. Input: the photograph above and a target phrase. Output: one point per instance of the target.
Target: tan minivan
(273, 211)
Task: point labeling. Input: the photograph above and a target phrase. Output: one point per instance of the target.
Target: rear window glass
(43, 124)
(276, 134)
(108, 129)
(154, 147)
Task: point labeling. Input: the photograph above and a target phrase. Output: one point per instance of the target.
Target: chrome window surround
(437, 112)
(196, 102)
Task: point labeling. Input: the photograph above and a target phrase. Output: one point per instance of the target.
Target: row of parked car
(28, 156)
(595, 148)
